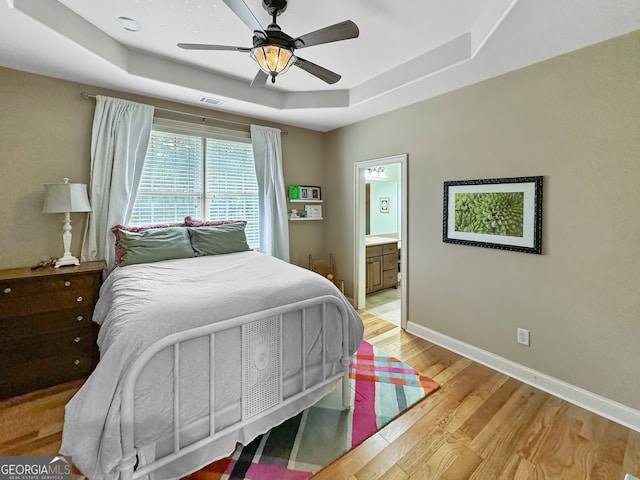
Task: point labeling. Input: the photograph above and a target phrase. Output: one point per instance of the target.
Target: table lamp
(66, 198)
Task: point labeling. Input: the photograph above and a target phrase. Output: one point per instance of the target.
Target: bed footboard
(262, 376)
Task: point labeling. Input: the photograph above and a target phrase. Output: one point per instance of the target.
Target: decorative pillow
(153, 245)
(189, 221)
(226, 238)
(127, 228)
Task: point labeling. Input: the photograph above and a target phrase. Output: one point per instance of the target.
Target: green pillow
(154, 245)
(227, 238)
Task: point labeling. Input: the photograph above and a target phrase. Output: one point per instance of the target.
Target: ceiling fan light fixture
(273, 49)
(273, 59)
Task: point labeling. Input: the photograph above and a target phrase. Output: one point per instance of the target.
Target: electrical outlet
(523, 336)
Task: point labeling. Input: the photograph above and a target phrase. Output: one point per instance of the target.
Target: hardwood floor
(483, 425)
(479, 425)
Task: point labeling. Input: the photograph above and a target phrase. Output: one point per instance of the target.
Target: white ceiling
(407, 51)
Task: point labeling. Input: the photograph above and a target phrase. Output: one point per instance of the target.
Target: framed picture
(503, 213)
(384, 204)
(313, 211)
(314, 193)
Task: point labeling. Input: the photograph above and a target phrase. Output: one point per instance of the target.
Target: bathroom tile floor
(385, 304)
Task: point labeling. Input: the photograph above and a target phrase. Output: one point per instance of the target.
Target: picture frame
(500, 213)
(384, 204)
(313, 211)
(314, 193)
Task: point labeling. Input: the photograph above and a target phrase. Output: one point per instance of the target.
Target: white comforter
(140, 304)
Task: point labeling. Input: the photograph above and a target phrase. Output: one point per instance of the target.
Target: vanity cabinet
(382, 266)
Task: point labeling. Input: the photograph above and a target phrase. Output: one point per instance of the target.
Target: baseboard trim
(593, 402)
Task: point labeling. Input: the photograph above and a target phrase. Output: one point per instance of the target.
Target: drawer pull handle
(77, 339)
(67, 283)
(76, 362)
(79, 299)
(79, 318)
(7, 290)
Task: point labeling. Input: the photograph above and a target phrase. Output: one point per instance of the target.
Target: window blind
(232, 187)
(202, 176)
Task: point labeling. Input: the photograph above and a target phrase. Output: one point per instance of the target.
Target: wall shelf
(313, 203)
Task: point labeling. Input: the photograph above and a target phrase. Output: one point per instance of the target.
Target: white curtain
(274, 224)
(119, 141)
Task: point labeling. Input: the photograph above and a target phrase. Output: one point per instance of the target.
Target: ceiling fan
(273, 49)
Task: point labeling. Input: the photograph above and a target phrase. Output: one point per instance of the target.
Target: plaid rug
(382, 387)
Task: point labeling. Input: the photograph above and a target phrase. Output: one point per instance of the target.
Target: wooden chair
(324, 267)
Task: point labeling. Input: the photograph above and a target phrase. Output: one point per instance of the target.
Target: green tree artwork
(498, 213)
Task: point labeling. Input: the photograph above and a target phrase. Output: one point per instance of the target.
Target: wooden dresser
(46, 333)
(382, 266)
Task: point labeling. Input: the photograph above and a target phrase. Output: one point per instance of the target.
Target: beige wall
(302, 157)
(575, 120)
(45, 135)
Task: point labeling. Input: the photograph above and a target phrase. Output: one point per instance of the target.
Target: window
(204, 172)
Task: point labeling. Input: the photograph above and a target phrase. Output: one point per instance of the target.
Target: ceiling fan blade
(339, 31)
(244, 13)
(260, 80)
(204, 46)
(317, 71)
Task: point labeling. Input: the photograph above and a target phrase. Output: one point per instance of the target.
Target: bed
(278, 338)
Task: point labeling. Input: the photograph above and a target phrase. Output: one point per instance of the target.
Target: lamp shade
(65, 197)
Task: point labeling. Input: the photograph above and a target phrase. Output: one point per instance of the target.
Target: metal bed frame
(262, 376)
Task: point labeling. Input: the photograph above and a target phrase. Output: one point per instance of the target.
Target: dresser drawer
(50, 366)
(13, 306)
(34, 361)
(20, 336)
(26, 287)
(43, 323)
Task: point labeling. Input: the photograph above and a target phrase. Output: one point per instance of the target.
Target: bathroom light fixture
(375, 173)
(66, 198)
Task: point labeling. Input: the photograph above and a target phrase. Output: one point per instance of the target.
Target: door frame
(359, 264)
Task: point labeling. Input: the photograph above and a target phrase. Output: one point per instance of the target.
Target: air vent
(210, 101)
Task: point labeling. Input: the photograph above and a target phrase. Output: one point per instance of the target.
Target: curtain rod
(87, 96)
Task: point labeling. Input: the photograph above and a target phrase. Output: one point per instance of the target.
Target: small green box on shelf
(294, 192)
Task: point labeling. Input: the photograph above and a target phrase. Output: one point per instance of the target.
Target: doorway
(380, 203)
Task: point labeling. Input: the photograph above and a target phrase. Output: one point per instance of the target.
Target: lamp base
(66, 259)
